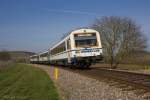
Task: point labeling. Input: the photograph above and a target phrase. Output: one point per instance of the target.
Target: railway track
(126, 81)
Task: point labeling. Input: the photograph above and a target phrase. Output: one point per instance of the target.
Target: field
(132, 67)
(16, 56)
(138, 61)
(24, 82)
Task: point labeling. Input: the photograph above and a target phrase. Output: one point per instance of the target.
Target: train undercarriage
(80, 62)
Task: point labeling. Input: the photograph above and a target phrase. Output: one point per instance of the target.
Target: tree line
(5, 56)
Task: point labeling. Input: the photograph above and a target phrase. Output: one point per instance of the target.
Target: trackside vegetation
(121, 37)
(24, 82)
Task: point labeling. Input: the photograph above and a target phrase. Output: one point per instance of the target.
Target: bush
(5, 56)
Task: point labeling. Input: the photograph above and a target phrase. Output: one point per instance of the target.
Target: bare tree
(120, 37)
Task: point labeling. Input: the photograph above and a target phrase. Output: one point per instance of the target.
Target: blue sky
(34, 25)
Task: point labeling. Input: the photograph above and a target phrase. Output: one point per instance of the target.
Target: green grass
(24, 82)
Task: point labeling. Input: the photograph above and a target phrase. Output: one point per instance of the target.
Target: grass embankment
(24, 82)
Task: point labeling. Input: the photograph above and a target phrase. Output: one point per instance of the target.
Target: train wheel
(88, 65)
(82, 64)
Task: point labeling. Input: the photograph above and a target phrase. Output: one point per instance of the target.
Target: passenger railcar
(34, 59)
(80, 48)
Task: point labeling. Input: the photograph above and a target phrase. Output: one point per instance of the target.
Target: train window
(44, 54)
(58, 49)
(85, 40)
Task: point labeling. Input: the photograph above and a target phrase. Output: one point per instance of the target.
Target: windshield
(85, 40)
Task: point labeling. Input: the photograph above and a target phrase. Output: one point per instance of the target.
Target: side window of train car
(62, 47)
(58, 49)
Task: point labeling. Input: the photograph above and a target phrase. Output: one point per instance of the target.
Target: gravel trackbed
(73, 86)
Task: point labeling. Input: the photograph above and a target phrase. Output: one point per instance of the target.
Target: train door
(68, 46)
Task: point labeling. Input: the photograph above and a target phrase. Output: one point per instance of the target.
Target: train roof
(43, 52)
(83, 30)
(34, 55)
(66, 37)
(72, 32)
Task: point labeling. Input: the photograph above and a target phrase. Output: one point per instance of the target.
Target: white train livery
(80, 48)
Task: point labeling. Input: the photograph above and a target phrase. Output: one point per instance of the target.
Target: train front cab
(86, 46)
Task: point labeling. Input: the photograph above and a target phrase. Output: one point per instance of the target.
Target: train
(80, 48)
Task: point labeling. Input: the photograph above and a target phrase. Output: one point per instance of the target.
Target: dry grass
(5, 64)
(125, 66)
(139, 61)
